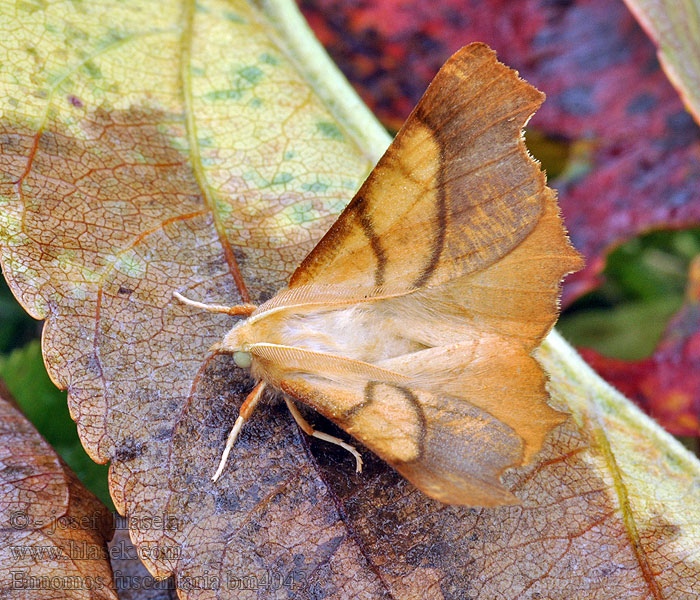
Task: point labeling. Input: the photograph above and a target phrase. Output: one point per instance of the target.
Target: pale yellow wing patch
(390, 416)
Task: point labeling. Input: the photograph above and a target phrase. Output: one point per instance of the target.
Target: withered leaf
(53, 531)
(131, 579)
(211, 165)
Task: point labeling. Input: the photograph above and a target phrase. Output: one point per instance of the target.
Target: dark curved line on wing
(369, 395)
(375, 242)
(440, 222)
(411, 397)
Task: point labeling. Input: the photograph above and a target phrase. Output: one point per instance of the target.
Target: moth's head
(237, 343)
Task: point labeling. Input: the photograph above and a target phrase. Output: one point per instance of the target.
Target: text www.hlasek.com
(85, 551)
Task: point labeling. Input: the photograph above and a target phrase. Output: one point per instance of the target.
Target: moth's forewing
(454, 193)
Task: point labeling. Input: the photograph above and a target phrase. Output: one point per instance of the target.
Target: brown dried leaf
(211, 166)
(52, 530)
(132, 580)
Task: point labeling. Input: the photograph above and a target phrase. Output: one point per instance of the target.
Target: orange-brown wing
(449, 449)
(455, 191)
(470, 411)
(455, 235)
(517, 297)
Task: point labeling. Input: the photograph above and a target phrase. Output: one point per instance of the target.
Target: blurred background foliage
(644, 281)
(644, 286)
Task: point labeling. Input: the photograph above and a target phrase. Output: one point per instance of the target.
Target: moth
(412, 323)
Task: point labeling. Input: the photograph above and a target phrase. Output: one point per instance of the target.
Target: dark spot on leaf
(228, 503)
(14, 143)
(241, 256)
(234, 18)
(651, 66)
(15, 472)
(269, 59)
(266, 294)
(299, 560)
(608, 570)
(281, 178)
(416, 555)
(422, 42)
(75, 101)
(679, 197)
(48, 142)
(330, 130)
(317, 186)
(230, 94)
(92, 70)
(682, 132)
(543, 38)
(163, 434)
(680, 121)
(129, 449)
(251, 74)
(327, 549)
(221, 413)
(30, 7)
(93, 365)
(609, 50)
(615, 150)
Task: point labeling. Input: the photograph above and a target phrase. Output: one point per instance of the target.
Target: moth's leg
(241, 309)
(247, 409)
(309, 430)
